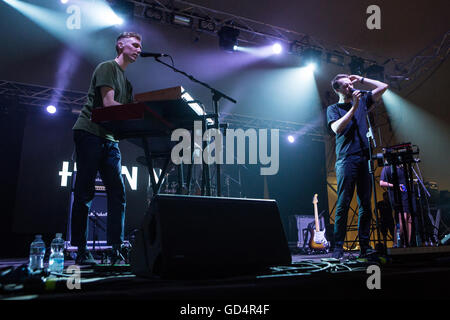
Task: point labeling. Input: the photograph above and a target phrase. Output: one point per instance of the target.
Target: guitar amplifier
(98, 216)
(302, 225)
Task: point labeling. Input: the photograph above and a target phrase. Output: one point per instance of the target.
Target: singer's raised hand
(354, 78)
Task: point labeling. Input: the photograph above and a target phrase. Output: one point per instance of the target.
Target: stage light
(90, 16)
(417, 124)
(123, 11)
(207, 25)
(228, 38)
(111, 18)
(291, 139)
(277, 48)
(181, 20)
(311, 66)
(311, 58)
(356, 65)
(260, 52)
(51, 109)
(118, 20)
(153, 13)
(64, 1)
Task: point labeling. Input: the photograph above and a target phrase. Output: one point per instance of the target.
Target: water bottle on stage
(37, 253)
(56, 260)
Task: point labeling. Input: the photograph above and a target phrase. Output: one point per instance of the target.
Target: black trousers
(353, 171)
(95, 154)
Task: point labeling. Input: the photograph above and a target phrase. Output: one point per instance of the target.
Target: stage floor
(308, 278)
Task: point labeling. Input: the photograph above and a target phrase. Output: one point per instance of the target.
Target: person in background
(386, 181)
(387, 223)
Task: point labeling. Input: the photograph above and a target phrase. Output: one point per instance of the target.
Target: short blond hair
(126, 35)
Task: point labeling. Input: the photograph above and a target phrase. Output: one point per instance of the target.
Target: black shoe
(366, 252)
(85, 258)
(338, 253)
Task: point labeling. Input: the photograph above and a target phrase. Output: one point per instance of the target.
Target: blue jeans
(350, 172)
(95, 154)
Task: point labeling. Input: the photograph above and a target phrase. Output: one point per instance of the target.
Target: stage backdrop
(302, 173)
(46, 167)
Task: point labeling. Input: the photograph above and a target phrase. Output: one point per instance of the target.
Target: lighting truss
(246, 122)
(252, 32)
(41, 96)
(397, 73)
(70, 100)
(428, 59)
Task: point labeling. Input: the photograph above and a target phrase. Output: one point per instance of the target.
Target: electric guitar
(317, 240)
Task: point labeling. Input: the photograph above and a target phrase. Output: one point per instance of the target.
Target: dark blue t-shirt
(352, 139)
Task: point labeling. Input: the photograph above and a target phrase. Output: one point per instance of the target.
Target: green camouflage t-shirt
(107, 74)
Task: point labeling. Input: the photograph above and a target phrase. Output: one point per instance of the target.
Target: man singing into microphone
(347, 119)
(98, 151)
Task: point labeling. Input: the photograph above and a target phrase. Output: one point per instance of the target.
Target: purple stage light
(277, 48)
(51, 109)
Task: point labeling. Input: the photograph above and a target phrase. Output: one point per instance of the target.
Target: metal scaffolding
(210, 21)
(398, 73)
(41, 96)
(421, 66)
(288, 127)
(26, 94)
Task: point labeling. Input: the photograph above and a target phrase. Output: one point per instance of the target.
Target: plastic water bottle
(399, 238)
(37, 253)
(56, 260)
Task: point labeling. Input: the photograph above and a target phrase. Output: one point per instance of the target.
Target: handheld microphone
(152, 54)
(363, 92)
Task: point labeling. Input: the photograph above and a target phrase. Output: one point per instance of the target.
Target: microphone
(363, 92)
(152, 54)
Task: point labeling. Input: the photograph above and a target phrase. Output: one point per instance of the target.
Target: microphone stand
(418, 223)
(428, 236)
(380, 247)
(97, 224)
(421, 182)
(216, 96)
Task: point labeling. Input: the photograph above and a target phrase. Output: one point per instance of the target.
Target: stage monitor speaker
(207, 237)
